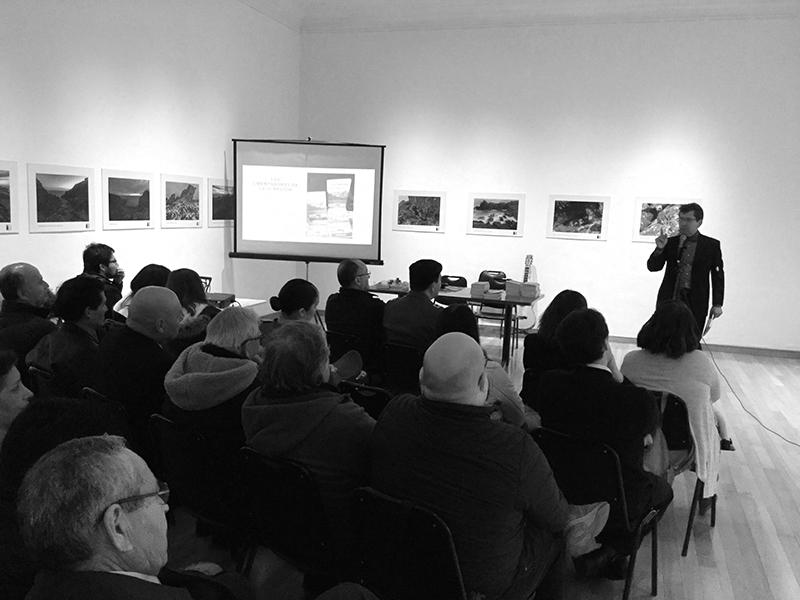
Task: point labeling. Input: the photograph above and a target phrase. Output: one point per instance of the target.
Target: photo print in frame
(496, 214)
(654, 215)
(419, 211)
(578, 217)
(181, 201)
(60, 198)
(9, 192)
(127, 200)
(221, 203)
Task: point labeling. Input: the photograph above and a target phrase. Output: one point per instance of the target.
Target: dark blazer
(412, 320)
(707, 265)
(96, 585)
(70, 354)
(21, 328)
(358, 313)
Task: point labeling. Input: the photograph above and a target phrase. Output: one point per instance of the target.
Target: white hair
(230, 328)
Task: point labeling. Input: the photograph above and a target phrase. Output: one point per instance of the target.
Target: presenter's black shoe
(726, 444)
(594, 563)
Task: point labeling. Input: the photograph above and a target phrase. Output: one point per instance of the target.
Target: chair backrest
(41, 381)
(340, 343)
(496, 279)
(454, 281)
(286, 511)
(401, 365)
(372, 399)
(675, 421)
(206, 280)
(586, 471)
(406, 552)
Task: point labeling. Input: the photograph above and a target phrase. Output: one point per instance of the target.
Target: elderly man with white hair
(488, 480)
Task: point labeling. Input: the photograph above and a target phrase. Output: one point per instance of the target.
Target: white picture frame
(178, 209)
(125, 205)
(221, 203)
(9, 197)
(578, 217)
(652, 214)
(419, 211)
(493, 214)
(61, 198)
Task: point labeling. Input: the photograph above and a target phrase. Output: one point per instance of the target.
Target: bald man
(133, 359)
(488, 480)
(27, 301)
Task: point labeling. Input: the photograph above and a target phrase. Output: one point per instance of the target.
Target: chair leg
(698, 494)
(714, 510)
(631, 565)
(654, 560)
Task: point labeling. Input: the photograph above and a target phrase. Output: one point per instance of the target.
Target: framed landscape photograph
(496, 214)
(221, 203)
(578, 217)
(181, 201)
(654, 215)
(60, 198)
(9, 190)
(419, 211)
(127, 200)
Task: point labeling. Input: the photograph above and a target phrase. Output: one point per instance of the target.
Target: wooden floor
(753, 553)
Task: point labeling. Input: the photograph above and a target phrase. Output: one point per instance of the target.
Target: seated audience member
(27, 301)
(296, 416)
(592, 401)
(151, 274)
(70, 352)
(93, 516)
(669, 361)
(354, 311)
(541, 351)
(14, 396)
(133, 360)
(99, 262)
(297, 300)
(459, 317)
(487, 480)
(41, 426)
(413, 319)
(197, 312)
(210, 380)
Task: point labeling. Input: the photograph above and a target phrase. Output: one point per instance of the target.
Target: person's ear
(483, 386)
(117, 528)
(699, 222)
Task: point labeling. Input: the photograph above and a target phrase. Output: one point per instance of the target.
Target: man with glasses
(691, 259)
(354, 311)
(99, 262)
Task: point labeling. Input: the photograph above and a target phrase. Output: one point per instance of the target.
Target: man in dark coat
(691, 259)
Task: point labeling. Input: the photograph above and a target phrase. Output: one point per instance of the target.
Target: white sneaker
(584, 523)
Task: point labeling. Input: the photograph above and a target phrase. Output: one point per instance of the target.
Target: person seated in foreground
(459, 317)
(592, 401)
(151, 274)
(354, 311)
(133, 360)
(70, 352)
(27, 301)
(93, 516)
(99, 262)
(669, 361)
(541, 351)
(14, 396)
(487, 480)
(297, 416)
(197, 312)
(413, 319)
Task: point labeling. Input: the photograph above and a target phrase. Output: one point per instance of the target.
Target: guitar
(526, 314)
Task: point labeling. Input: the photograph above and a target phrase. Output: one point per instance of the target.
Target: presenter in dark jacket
(691, 260)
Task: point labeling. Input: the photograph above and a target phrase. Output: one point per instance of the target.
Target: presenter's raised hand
(716, 312)
(661, 240)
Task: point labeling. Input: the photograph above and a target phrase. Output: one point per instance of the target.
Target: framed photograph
(419, 211)
(654, 215)
(9, 191)
(221, 203)
(127, 200)
(60, 198)
(578, 217)
(181, 204)
(496, 214)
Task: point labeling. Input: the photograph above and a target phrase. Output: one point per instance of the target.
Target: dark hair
(76, 295)
(564, 303)
(423, 273)
(582, 336)
(151, 274)
(460, 318)
(95, 255)
(346, 272)
(692, 207)
(672, 330)
(188, 287)
(294, 295)
(10, 282)
(8, 359)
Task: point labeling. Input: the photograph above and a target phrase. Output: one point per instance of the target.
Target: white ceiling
(388, 15)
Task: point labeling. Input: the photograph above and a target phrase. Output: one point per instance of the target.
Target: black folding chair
(401, 365)
(41, 381)
(405, 551)
(453, 281)
(372, 399)
(589, 471)
(340, 343)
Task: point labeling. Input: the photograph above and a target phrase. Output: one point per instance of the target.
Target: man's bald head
(453, 371)
(22, 282)
(155, 312)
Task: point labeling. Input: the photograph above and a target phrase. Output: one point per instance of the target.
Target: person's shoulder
(707, 239)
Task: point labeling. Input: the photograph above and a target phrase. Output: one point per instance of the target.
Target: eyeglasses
(686, 219)
(367, 274)
(162, 493)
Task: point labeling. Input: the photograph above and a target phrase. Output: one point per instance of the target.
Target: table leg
(506, 334)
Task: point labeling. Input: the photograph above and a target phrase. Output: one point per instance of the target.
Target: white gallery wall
(707, 110)
(159, 86)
